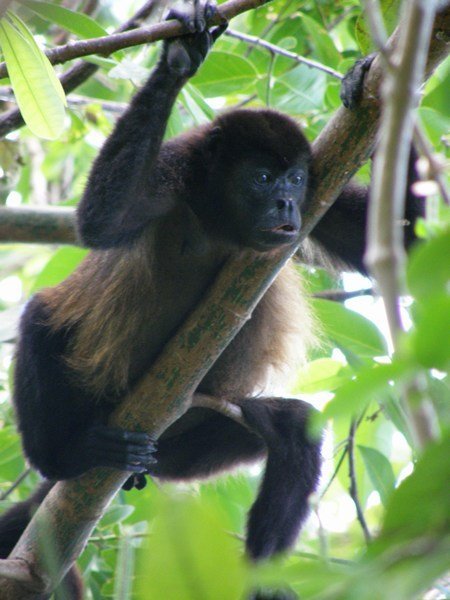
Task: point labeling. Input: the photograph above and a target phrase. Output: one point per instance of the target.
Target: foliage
(193, 535)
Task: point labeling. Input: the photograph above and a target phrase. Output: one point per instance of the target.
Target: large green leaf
(38, 91)
(389, 10)
(299, 90)
(324, 48)
(431, 339)
(429, 268)
(60, 266)
(371, 383)
(323, 374)
(224, 73)
(78, 23)
(349, 330)
(190, 554)
(420, 505)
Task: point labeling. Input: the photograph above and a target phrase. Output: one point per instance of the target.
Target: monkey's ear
(214, 140)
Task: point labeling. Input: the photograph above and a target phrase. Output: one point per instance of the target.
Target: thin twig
(256, 41)
(353, 491)
(273, 23)
(335, 472)
(343, 295)
(14, 485)
(107, 44)
(75, 101)
(435, 168)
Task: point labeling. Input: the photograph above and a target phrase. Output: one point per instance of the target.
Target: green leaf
(429, 268)
(196, 105)
(322, 42)
(10, 447)
(420, 505)
(190, 554)
(224, 73)
(389, 10)
(380, 472)
(349, 330)
(323, 374)
(38, 91)
(436, 125)
(115, 514)
(76, 22)
(60, 266)
(368, 384)
(26, 33)
(299, 90)
(431, 339)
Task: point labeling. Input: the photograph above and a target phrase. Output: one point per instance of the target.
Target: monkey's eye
(262, 177)
(297, 179)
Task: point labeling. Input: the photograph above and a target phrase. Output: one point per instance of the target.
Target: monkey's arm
(342, 231)
(120, 196)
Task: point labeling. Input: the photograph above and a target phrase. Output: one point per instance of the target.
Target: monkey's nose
(283, 203)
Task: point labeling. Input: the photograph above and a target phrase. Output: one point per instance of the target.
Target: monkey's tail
(13, 523)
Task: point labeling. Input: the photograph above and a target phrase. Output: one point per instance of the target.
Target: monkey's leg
(208, 442)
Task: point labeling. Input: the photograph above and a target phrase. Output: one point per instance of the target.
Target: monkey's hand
(353, 82)
(184, 55)
(104, 446)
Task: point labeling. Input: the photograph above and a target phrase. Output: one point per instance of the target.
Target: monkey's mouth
(284, 233)
(285, 228)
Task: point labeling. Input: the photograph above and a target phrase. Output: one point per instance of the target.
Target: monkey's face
(266, 200)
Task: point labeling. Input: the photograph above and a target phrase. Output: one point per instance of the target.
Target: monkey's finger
(217, 31)
(210, 10)
(124, 453)
(124, 461)
(122, 435)
(186, 19)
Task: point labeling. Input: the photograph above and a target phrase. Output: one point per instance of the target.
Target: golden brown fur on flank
(104, 302)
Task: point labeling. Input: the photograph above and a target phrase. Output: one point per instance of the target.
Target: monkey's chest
(180, 286)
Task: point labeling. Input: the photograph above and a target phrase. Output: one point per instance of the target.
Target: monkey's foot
(194, 20)
(353, 82)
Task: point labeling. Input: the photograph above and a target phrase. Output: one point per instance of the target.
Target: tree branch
(38, 225)
(108, 44)
(73, 507)
(343, 295)
(353, 491)
(385, 255)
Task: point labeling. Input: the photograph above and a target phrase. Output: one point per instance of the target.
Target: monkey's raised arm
(120, 196)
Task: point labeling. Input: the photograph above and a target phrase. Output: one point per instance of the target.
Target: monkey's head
(260, 175)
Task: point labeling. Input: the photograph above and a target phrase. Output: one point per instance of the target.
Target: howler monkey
(161, 219)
